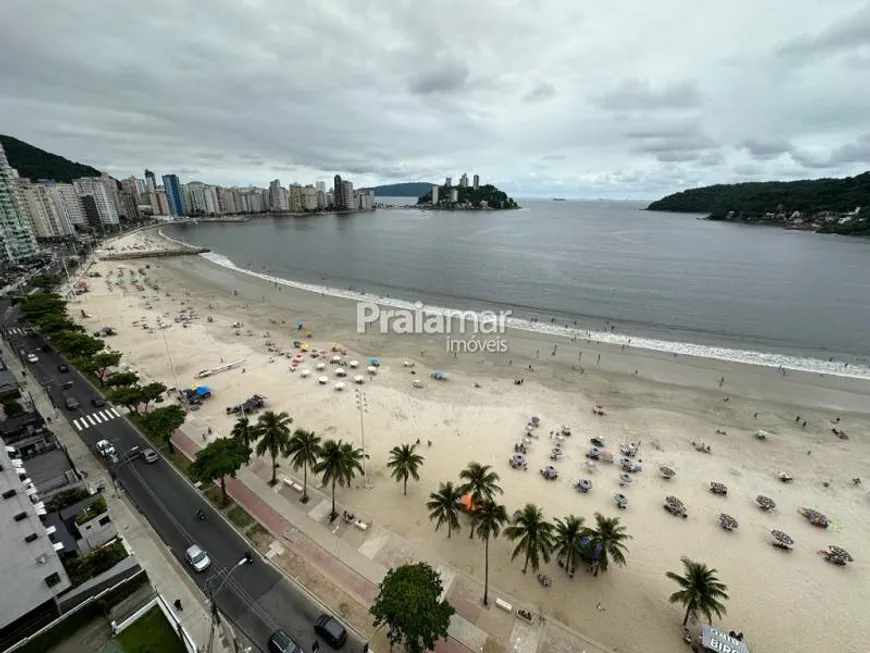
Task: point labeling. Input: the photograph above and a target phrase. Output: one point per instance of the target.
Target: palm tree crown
(480, 481)
(535, 535)
(405, 463)
(444, 507)
(303, 451)
(243, 431)
(339, 463)
(565, 539)
(700, 591)
(608, 538)
(489, 518)
(272, 431)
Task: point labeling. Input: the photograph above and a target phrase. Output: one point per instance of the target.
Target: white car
(105, 448)
(31, 358)
(197, 558)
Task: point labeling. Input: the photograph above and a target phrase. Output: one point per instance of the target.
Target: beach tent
(467, 503)
(716, 640)
(588, 554)
(439, 376)
(203, 391)
(375, 362)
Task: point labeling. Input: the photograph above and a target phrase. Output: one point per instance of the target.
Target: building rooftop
(50, 471)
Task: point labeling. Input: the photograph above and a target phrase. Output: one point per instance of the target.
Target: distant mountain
(35, 164)
(407, 189)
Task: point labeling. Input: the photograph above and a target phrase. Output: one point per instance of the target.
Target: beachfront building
(203, 199)
(150, 182)
(463, 180)
(103, 211)
(321, 186)
(308, 196)
(173, 194)
(435, 190)
(294, 193)
(19, 243)
(454, 195)
(278, 197)
(448, 182)
(33, 575)
(347, 198)
(162, 202)
(44, 212)
(476, 182)
(66, 202)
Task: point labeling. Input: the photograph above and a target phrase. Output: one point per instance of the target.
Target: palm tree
(481, 483)
(405, 463)
(535, 535)
(489, 518)
(243, 431)
(272, 431)
(303, 451)
(444, 507)
(339, 462)
(565, 539)
(701, 590)
(608, 538)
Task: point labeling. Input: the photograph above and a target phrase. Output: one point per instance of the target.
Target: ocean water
(604, 271)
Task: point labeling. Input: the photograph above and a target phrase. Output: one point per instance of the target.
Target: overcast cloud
(626, 99)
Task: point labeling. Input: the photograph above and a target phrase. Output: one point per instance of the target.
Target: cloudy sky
(626, 98)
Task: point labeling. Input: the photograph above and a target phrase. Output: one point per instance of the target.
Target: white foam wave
(747, 356)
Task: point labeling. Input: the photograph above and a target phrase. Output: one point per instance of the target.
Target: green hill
(35, 164)
(753, 200)
(494, 198)
(406, 189)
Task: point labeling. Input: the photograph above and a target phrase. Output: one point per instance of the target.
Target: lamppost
(247, 559)
(362, 406)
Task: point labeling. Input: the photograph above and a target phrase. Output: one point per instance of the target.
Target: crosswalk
(97, 417)
(16, 331)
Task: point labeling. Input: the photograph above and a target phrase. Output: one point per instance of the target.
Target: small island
(466, 197)
(840, 206)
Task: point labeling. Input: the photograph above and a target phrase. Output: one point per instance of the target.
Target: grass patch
(240, 517)
(213, 494)
(150, 634)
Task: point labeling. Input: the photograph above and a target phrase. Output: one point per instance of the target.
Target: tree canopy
(162, 422)
(409, 604)
(494, 198)
(221, 458)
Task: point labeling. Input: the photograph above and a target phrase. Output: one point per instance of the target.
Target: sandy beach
(781, 601)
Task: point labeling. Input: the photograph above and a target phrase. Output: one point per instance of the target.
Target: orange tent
(467, 503)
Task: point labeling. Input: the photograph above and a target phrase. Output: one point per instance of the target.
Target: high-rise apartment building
(448, 182)
(106, 211)
(162, 202)
(150, 182)
(347, 196)
(204, 199)
(476, 182)
(47, 216)
(435, 198)
(308, 198)
(19, 243)
(337, 192)
(278, 198)
(454, 195)
(67, 202)
(321, 186)
(32, 572)
(173, 195)
(463, 181)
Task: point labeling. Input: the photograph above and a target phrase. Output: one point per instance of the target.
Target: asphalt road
(258, 598)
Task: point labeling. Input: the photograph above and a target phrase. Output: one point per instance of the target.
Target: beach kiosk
(721, 642)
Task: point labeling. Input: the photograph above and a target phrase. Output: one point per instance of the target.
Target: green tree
(443, 507)
(54, 323)
(78, 345)
(481, 482)
(161, 423)
(272, 432)
(565, 540)
(130, 397)
(121, 379)
(535, 535)
(405, 463)
(243, 431)
(151, 393)
(608, 538)
(221, 458)
(701, 591)
(12, 408)
(339, 463)
(303, 450)
(409, 603)
(36, 306)
(489, 518)
(102, 361)
(44, 281)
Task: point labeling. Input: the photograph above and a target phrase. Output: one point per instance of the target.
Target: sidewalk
(164, 571)
(357, 561)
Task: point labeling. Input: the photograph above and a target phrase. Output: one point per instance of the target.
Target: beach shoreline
(479, 413)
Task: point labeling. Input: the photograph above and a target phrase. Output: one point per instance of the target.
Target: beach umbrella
(590, 465)
(354, 364)
(625, 479)
(671, 500)
(761, 434)
(606, 456)
(549, 472)
(815, 517)
(305, 373)
(372, 370)
(841, 553)
(359, 379)
(293, 366)
(323, 380)
(782, 539)
(727, 522)
(666, 472)
(535, 420)
(584, 485)
(766, 503)
(625, 461)
(593, 452)
(598, 442)
(341, 372)
(298, 357)
(336, 359)
(718, 488)
(339, 386)
(418, 383)
(620, 499)
(518, 460)
(320, 366)
(566, 430)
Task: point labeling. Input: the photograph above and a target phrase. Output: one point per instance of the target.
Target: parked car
(330, 630)
(281, 642)
(63, 369)
(98, 402)
(32, 358)
(71, 403)
(197, 558)
(150, 456)
(105, 448)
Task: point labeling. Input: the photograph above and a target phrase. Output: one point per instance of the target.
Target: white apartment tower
(454, 195)
(19, 243)
(107, 212)
(476, 182)
(463, 180)
(435, 197)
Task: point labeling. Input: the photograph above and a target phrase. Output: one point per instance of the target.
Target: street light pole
(215, 615)
(362, 407)
(169, 356)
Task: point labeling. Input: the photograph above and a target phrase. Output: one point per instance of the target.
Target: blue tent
(587, 554)
(203, 391)
(375, 362)
(439, 376)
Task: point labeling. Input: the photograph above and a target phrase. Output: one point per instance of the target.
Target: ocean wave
(746, 356)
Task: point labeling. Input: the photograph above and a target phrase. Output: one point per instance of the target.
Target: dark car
(71, 403)
(330, 630)
(63, 369)
(281, 642)
(98, 402)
